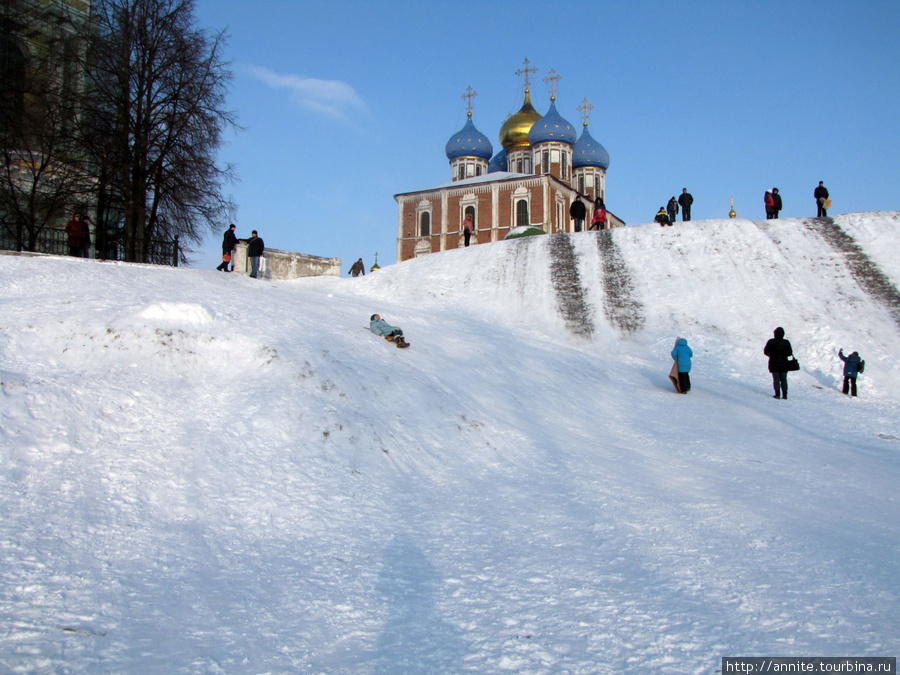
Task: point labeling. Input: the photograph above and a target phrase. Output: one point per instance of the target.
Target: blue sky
(346, 103)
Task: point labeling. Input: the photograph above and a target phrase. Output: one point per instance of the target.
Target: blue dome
(499, 163)
(469, 142)
(588, 152)
(551, 127)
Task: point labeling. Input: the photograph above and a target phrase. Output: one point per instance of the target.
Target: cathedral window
(581, 184)
(546, 161)
(521, 213)
(425, 224)
(461, 172)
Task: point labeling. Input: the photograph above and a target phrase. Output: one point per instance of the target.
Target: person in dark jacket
(578, 211)
(358, 267)
(778, 350)
(662, 217)
(682, 353)
(672, 209)
(229, 241)
(598, 220)
(851, 371)
(685, 200)
(79, 237)
(821, 194)
(770, 205)
(776, 198)
(255, 249)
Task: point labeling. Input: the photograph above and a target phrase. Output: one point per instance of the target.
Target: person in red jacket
(79, 238)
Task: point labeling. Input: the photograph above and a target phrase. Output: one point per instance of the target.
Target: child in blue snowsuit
(851, 371)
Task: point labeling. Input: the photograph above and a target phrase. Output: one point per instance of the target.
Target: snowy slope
(204, 473)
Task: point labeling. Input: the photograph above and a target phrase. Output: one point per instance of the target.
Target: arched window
(546, 162)
(470, 211)
(425, 224)
(521, 213)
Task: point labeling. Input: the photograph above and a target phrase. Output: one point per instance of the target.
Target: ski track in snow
(206, 473)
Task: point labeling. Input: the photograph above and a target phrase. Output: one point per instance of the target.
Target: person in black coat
(685, 200)
(255, 249)
(578, 212)
(672, 209)
(821, 194)
(229, 241)
(776, 197)
(778, 350)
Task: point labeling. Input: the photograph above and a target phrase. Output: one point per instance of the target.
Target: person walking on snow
(229, 242)
(685, 200)
(821, 194)
(598, 221)
(578, 211)
(853, 366)
(778, 350)
(672, 209)
(682, 355)
(390, 333)
(357, 268)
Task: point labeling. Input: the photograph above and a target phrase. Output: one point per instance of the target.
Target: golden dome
(514, 131)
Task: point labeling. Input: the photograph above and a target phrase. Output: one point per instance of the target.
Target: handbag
(793, 364)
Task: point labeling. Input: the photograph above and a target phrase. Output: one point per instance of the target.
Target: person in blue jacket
(390, 333)
(683, 354)
(851, 371)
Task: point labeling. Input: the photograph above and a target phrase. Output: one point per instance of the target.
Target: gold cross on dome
(469, 95)
(585, 110)
(552, 78)
(526, 71)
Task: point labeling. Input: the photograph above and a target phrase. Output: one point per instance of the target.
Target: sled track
(567, 283)
(621, 308)
(862, 268)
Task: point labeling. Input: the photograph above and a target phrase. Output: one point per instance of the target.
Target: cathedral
(542, 168)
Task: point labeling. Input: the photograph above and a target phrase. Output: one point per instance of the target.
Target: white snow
(206, 473)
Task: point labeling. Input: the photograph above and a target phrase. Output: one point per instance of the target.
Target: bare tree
(156, 97)
(43, 174)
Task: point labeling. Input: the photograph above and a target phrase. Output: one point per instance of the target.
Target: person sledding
(390, 333)
(662, 217)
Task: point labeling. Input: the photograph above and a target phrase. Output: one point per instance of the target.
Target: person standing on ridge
(685, 200)
(78, 236)
(821, 194)
(255, 249)
(468, 228)
(672, 209)
(778, 350)
(229, 242)
(578, 211)
(682, 355)
(598, 220)
(770, 205)
(776, 197)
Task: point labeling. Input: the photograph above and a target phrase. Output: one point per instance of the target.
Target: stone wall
(277, 264)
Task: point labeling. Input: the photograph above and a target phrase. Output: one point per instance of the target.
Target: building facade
(542, 168)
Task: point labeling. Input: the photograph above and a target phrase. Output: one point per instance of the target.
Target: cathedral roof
(588, 152)
(469, 142)
(514, 131)
(552, 127)
(499, 162)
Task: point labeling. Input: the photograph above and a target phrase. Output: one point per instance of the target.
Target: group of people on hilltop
(255, 250)
(781, 362)
(78, 236)
(774, 205)
(578, 213)
(669, 213)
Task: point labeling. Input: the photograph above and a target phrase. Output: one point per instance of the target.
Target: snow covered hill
(205, 473)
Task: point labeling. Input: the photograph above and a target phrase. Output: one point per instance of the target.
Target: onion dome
(469, 142)
(552, 127)
(500, 162)
(514, 131)
(588, 152)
